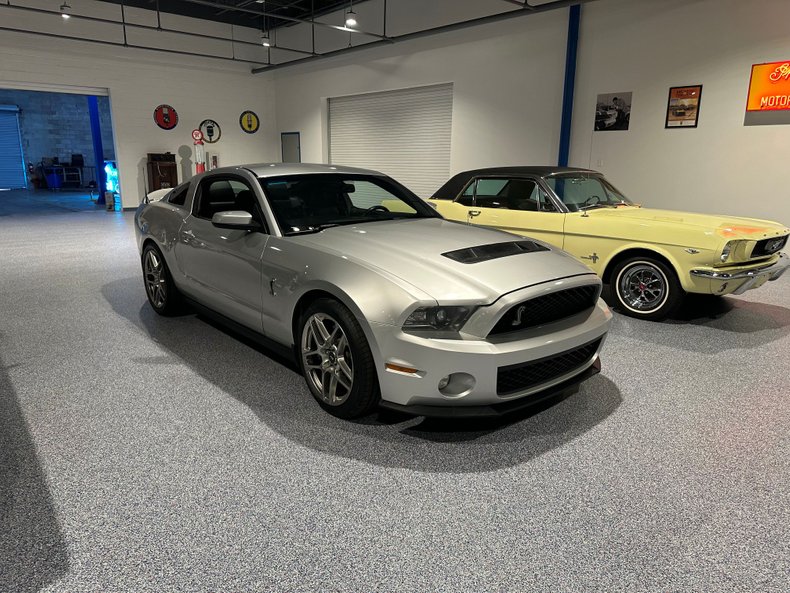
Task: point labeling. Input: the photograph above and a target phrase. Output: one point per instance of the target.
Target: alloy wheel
(326, 358)
(155, 282)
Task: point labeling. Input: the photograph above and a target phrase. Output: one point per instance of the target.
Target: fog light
(457, 385)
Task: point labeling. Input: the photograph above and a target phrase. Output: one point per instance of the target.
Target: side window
(223, 194)
(544, 202)
(468, 197)
(491, 193)
(178, 196)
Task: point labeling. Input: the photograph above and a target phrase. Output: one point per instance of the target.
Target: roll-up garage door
(404, 133)
(12, 163)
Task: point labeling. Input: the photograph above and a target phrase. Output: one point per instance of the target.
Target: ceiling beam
(494, 18)
(128, 25)
(285, 18)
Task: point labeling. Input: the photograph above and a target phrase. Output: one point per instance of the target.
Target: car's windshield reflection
(584, 192)
(309, 204)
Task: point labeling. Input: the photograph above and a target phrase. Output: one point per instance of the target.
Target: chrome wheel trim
(642, 287)
(326, 359)
(155, 284)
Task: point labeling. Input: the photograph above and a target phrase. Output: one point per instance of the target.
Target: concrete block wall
(58, 125)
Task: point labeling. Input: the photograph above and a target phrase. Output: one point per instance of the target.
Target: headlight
(725, 253)
(438, 318)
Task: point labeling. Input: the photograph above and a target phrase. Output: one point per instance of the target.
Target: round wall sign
(197, 135)
(211, 130)
(249, 122)
(166, 117)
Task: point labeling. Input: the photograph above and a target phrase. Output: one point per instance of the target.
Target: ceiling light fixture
(64, 10)
(351, 16)
(265, 41)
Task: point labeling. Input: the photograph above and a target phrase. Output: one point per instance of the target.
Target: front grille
(519, 377)
(547, 308)
(769, 246)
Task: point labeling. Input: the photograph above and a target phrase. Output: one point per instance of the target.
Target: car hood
(728, 227)
(412, 250)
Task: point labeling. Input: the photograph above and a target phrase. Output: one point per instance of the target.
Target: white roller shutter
(12, 163)
(404, 133)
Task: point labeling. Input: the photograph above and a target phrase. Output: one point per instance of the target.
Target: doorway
(12, 164)
(63, 145)
(291, 147)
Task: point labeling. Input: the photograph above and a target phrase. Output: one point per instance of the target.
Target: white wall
(140, 80)
(508, 90)
(507, 87)
(647, 46)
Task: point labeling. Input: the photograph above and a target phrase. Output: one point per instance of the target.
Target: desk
(63, 176)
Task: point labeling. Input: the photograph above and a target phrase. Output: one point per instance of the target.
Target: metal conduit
(494, 18)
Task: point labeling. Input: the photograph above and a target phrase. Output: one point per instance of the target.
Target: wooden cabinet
(162, 171)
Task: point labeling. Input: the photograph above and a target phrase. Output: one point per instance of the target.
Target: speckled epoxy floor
(146, 454)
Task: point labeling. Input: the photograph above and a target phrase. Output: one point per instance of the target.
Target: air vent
(481, 253)
(520, 377)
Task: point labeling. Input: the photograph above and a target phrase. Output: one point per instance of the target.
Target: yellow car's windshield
(581, 192)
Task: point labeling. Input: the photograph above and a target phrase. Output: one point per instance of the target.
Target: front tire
(159, 286)
(645, 288)
(336, 360)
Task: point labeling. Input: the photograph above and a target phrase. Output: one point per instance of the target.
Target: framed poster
(768, 102)
(683, 106)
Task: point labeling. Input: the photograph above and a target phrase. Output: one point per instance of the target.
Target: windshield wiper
(588, 206)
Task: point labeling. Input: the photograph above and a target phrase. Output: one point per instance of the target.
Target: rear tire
(162, 293)
(336, 361)
(645, 288)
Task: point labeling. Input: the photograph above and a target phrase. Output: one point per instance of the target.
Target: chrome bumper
(752, 277)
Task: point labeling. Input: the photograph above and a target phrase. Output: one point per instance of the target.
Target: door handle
(272, 284)
(473, 213)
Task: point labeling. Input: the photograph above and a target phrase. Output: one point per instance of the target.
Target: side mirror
(235, 220)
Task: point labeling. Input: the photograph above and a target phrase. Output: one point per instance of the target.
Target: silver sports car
(379, 299)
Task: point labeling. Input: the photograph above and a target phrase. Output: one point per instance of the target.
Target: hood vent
(481, 253)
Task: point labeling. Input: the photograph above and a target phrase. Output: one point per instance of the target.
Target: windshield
(311, 203)
(580, 192)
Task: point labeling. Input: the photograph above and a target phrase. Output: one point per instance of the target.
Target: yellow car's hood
(728, 227)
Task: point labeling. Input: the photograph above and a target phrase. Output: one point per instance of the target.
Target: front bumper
(475, 364)
(502, 408)
(743, 280)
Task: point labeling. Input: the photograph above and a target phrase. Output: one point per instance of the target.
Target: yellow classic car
(648, 259)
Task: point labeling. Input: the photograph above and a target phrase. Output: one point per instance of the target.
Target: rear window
(178, 196)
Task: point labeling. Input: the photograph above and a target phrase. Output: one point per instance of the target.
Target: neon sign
(769, 87)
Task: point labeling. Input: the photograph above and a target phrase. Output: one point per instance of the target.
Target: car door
(517, 205)
(588, 232)
(223, 266)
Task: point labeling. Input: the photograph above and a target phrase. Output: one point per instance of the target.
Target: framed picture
(613, 111)
(683, 106)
